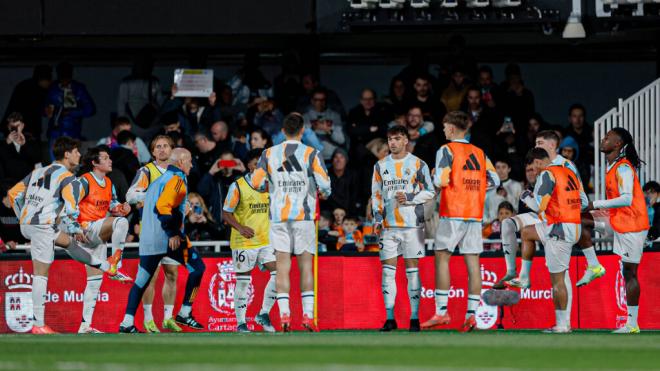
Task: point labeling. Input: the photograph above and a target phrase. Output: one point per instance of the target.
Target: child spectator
(493, 230)
(327, 236)
(339, 214)
(350, 237)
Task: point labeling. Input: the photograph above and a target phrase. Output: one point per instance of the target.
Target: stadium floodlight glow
(506, 3)
(391, 4)
(363, 4)
(449, 3)
(420, 3)
(477, 3)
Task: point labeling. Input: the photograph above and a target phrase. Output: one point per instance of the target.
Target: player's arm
(70, 194)
(545, 185)
(137, 191)
(16, 195)
(260, 175)
(527, 198)
(377, 207)
(167, 206)
(116, 207)
(625, 180)
(321, 176)
(231, 203)
(426, 190)
(443, 161)
(492, 179)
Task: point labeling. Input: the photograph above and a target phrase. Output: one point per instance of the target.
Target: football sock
(388, 286)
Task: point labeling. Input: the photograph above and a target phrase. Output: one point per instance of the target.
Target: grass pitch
(331, 351)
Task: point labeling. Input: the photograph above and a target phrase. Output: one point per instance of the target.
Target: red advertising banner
(349, 296)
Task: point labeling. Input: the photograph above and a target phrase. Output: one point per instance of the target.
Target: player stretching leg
(464, 174)
(246, 210)
(294, 173)
(401, 185)
(97, 197)
(162, 234)
(37, 201)
(628, 216)
(161, 149)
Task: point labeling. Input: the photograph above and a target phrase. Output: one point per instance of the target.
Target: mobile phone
(197, 209)
(227, 163)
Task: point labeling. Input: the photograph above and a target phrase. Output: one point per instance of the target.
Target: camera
(363, 4)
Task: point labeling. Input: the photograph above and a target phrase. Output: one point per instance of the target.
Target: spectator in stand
(652, 192)
(350, 237)
(214, 183)
(19, 152)
(67, 103)
(570, 149)
(310, 84)
(224, 106)
(220, 134)
(259, 138)
(484, 121)
(29, 98)
(240, 145)
(139, 149)
(517, 100)
(493, 230)
(122, 155)
(327, 236)
(422, 142)
(531, 172)
(510, 147)
(319, 107)
(208, 152)
(249, 82)
(490, 92)
(330, 134)
(454, 94)
(171, 124)
(338, 215)
(140, 97)
(534, 125)
(583, 135)
(346, 189)
(397, 101)
(366, 122)
(511, 189)
(268, 117)
(200, 224)
(432, 108)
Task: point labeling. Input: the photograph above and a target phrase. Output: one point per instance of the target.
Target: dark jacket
(68, 121)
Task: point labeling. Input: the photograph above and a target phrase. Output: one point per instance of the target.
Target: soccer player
(96, 198)
(401, 185)
(557, 192)
(294, 174)
(246, 211)
(161, 149)
(464, 174)
(162, 234)
(628, 216)
(37, 201)
(549, 140)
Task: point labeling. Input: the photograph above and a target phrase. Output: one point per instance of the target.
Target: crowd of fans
(246, 112)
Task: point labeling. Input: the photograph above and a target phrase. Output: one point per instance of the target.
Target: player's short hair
(293, 124)
(548, 135)
(652, 186)
(458, 119)
(90, 157)
(125, 136)
(63, 145)
(119, 121)
(505, 205)
(398, 130)
(167, 138)
(536, 153)
(253, 154)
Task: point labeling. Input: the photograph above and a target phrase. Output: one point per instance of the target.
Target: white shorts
(527, 219)
(557, 252)
(629, 246)
(42, 241)
(169, 261)
(294, 237)
(466, 235)
(93, 234)
(408, 242)
(246, 259)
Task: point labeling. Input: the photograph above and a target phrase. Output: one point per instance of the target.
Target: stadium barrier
(349, 295)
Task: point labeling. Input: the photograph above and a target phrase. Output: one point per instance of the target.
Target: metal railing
(640, 115)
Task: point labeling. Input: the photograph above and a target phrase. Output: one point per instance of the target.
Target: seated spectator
(327, 236)
(491, 206)
(171, 124)
(319, 107)
(652, 192)
(345, 185)
(453, 95)
(19, 152)
(366, 122)
(122, 156)
(338, 215)
(139, 149)
(219, 132)
(398, 118)
(432, 108)
(422, 143)
(493, 230)
(350, 237)
(397, 100)
(200, 224)
(490, 92)
(259, 138)
(330, 134)
(268, 117)
(310, 83)
(511, 189)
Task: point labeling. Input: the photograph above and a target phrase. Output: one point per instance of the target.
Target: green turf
(331, 350)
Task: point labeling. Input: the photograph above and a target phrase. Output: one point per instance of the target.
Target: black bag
(148, 113)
